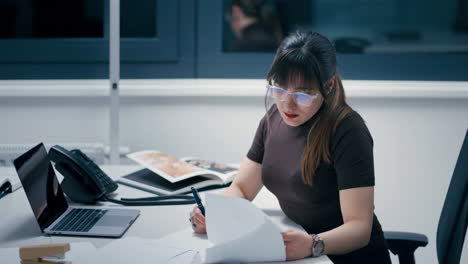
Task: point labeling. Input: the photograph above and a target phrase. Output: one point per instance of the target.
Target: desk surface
(19, 228)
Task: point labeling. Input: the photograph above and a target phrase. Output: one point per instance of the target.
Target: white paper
(240, 232)
(188, 239)
(222, 216)
(132, 250)
(79, 249)
(189, 257)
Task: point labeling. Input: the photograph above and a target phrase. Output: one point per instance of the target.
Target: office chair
(452, 225)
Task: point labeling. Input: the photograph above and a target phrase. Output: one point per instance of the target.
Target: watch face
(318, 247)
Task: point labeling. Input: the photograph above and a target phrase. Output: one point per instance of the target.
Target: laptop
(52, 211)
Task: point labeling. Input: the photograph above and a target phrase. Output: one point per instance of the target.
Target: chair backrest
(454, 217)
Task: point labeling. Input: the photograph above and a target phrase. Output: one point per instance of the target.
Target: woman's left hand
(298, 244)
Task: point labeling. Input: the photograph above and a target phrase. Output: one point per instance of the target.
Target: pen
(198, 200)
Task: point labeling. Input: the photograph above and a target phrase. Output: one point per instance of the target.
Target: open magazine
(164, 174)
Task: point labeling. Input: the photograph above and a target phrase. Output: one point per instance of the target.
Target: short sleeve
(352, 153)
(258, 145)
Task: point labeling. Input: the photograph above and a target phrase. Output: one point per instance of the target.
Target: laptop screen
(41, 185)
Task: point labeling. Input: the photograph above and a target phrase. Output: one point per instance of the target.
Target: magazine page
(166, 166)
(149, 181)
(224, 171)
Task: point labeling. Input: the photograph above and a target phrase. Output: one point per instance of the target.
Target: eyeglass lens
(300, 98)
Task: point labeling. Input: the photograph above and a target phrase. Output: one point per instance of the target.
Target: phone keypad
(104, 182)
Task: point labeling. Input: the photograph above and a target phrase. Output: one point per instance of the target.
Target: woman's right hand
(197, 220)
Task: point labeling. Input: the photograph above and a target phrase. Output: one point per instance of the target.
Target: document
(138, 250)
(238, 232)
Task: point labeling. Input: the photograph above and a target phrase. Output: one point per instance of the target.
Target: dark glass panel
(51, 19)
(138, 18)
(73, 19)
(363, 26)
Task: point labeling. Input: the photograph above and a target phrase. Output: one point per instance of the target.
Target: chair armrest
(406, 239)
(404, 244)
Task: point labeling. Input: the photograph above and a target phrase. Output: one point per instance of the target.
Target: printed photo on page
(212, 166)
(168, 167)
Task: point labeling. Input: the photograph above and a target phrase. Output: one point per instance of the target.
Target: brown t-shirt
(278, 147)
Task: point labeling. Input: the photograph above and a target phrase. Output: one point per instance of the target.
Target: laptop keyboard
(79, 220)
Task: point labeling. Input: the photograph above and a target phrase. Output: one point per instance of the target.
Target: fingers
(196, 212)
(200, 230)
(197, 221)
(198, 226)
(197, 215)
(288, 236)
(200, 221)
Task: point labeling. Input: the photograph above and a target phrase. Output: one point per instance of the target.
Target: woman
(314, 153)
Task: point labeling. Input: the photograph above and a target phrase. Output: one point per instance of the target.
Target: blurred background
(376, 39)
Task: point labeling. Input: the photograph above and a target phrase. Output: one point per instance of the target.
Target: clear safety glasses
(280, 94)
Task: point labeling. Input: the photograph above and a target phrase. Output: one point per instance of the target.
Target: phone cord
(155, 200)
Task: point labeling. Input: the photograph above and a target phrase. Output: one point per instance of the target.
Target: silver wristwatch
(318, 247)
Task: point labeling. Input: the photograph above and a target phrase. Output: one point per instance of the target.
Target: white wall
(417, 137)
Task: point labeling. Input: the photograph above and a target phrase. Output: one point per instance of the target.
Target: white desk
(19, 228)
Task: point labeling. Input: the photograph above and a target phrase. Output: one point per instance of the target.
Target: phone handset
(83, 181)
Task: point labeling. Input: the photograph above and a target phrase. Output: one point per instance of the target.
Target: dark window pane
(251, 26)
(368, 26)
(73, 19)
(138, 19)
(51, 19)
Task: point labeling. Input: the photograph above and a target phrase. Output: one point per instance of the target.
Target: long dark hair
(306, 57)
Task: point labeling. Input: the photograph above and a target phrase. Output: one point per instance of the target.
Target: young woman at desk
(314, 153)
